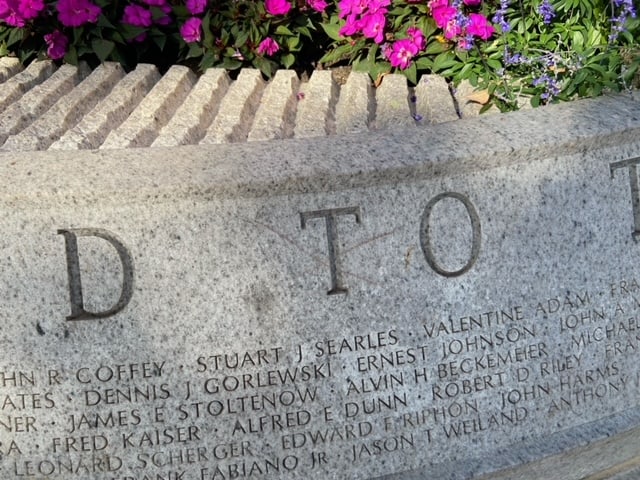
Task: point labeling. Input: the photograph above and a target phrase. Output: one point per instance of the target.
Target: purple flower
(57, 44)
(417, 37)
(137, 16)
(277, 7)
(627, 10)
(401, 53)
(373, 26)
(479, 26)
(166, 18)
(268, 46)
(10, 14)
(500, 16)
(551, 87)
(29, 9)
(547, 11)
(74, 13)
(191, 31)
(196, 7)
(318, 5)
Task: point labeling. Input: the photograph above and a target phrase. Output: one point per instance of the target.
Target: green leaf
(437, 47)
(160, 41)
(332, 29)
(282, 30)
(288, 60)
(334, 56)
(293, 44)
(102, 48)
(104, 22)
(411, 73)
(424, 63)
(195, 51)
(444, 60)
(15, 36)
(71, 56)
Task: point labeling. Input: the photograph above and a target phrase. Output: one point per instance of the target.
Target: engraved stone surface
(197, 112)
(236, 111)
(316, 103)
(351, 307)
(393, 103)
(355, 107)
(67, 111)
(116, 107)
(9, 66)
(141, 128)
(277, 110)
(433, 100)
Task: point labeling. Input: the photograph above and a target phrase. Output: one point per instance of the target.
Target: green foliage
(584, 50)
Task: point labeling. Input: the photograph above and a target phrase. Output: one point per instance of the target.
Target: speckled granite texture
(436, 305)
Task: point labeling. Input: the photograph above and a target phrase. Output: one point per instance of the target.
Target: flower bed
(545, 50)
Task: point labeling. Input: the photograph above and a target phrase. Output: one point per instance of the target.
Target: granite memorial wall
(347, 307)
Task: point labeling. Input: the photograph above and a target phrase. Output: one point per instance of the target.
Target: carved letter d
(78, 312)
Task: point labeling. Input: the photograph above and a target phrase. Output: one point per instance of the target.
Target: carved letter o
(425, 239)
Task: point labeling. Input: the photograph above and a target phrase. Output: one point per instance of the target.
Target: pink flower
(137, 16)
(373, 26)
(10, 14)
(196, 7)
(352, 26)
(433, 4)
(268, 46)
(401, 53)
(277, 7)
(57, 44)
(443, 15)
(417, 37)
(74, 13)
(318, 5)
(191, 31)
(472, 3)
(375, 6)
(479, 26)
(348, 7)
(166, 18)
(29, 9)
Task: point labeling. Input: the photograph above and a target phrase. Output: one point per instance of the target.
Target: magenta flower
(277, 7)
(318, 5)
(373, 26)
(137, 16)
(472, 3)
(196, 7)
(443, 15)
(268, 47)
(57, 44)
(353, 25)
(374, 6)
(166, 18)
(433, 4)
(352, 7)
(417, 37)
(29, 9)
(191, 31)
(155, 3)
(479, 26)
(74, 13)
(10, 14)
(401, 53)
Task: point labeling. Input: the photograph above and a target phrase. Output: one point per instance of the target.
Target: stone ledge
(321, 106)
(327, 163)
